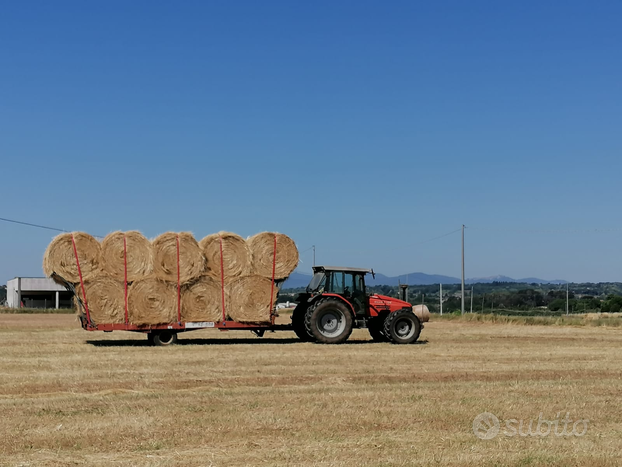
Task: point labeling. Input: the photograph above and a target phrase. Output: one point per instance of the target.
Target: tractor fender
(349, 305)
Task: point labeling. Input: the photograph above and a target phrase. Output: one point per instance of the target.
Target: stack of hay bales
(159, 281)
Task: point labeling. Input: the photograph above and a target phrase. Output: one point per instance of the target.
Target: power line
(440, 236)
(13, 221)
(32, 225)
(549, 231)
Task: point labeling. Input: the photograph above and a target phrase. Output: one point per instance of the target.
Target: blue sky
(365, 128)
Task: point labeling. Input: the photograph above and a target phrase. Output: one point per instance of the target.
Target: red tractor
(336, 301)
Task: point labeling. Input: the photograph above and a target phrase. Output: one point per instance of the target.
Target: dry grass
(72, 397)
(587, 319)
(29, 311)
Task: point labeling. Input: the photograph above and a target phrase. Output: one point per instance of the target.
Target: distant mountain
(295, 280)
(527, 280)
(298, 279)
(534, 280)
(414, 278)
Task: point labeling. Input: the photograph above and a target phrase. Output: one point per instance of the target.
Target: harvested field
(79, 398)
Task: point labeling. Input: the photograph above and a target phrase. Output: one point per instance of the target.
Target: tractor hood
(394, 304)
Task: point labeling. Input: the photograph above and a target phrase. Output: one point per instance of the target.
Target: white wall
(30, 284)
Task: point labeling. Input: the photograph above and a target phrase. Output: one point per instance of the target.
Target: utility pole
(440, 298)
(566, 299)
(483, 296)
(462, 307)
(471, 299)
(314, 255)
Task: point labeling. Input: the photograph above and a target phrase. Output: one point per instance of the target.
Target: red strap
(273, 272)
(86, 304)
(125, 270)
(222, 281)
(178, 285)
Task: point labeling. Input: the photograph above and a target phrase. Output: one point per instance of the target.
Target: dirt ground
(72, 397)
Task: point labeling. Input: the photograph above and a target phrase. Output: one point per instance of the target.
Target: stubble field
(69, 397)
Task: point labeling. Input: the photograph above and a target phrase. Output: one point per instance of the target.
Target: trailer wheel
(163, 338)
(375, 326)
(298, 324)
(329, 321)
(402, 327)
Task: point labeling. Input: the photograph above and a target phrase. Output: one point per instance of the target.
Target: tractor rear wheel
(375, 326)
(402, 327)
(298, 324)
(329, 321)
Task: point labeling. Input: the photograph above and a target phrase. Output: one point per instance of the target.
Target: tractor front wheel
(329, 321)
(402, 327)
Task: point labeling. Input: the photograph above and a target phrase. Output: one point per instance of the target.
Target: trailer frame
(179, 326)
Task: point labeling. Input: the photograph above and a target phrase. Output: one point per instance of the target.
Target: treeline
(502, 297)
(506, 297)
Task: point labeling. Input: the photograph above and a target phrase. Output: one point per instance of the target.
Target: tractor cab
(348, 283)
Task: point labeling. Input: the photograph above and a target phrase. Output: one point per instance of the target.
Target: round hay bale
(105, 298)
(59, 256)
(262, 253)
(236, 255)
(202, 301)
(152, 301)
(248, 299)
(139, 256)
(422, 312)
(191, 259)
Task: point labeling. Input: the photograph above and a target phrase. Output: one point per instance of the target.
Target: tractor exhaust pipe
(404, 292)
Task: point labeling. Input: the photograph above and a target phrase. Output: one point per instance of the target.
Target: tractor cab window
(358, 294)
(348, 284)
(318, 283)
(359, 284)
(336, 282)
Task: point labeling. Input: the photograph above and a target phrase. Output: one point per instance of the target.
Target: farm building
(36, 292)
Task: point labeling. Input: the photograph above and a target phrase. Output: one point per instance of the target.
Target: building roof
(35, 284)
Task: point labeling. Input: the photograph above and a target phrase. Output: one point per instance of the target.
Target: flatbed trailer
(183, 326)
(164, 334)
